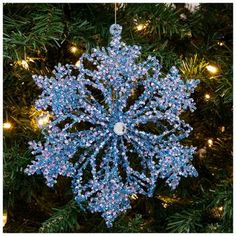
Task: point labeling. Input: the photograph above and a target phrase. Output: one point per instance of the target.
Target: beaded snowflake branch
(100, 137)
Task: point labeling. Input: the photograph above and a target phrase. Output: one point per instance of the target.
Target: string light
(141, 26)
(7, 125)
(192, 7)
(78, 63)
(210, 142)
(73, 49)
(4, 218)
(25, 64)
(165, 205)
(202, 153)
(222, 129)
(43, 120)
(183, 16)
(134, 197)
(207, 96)
(217, 211)
(189, 34)
(212, 69)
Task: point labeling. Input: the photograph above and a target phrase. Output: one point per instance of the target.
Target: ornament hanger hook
(115, 12)
(115, 29)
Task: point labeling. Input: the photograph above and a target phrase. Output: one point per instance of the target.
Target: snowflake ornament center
(91, 112)
(119, 128)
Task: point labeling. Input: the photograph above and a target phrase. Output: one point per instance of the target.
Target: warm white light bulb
(212, 69)
(78, 63)
(7, 125)
(73, 49)
(43, 120)
(165, 205)
(134, 196)
(221, 208)
(207, 96)
(4, 218)
(222, 129)
(210, 142)
(142, 26)
(25, 64)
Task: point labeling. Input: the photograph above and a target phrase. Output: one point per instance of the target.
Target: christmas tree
(196, 38)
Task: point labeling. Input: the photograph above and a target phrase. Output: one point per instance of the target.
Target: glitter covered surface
(119, 157)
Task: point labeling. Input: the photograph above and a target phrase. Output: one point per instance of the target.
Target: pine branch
(133, 225)
(14, 161)
(193, 67)
(222, 196)
(163, 20)
(63, 220)
(40, 28)
(225, 88)
(185, 222)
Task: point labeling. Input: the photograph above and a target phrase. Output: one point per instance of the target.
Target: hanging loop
(115, 12)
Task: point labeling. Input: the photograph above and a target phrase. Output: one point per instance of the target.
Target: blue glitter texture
(100, 138)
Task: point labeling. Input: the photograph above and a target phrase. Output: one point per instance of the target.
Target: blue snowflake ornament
(110, 144)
